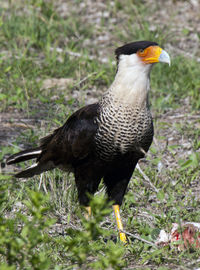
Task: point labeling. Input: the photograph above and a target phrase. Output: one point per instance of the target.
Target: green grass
(40, 224)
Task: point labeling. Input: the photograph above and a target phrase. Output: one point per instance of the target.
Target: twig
(40, 183)
(146, 178)
(140, 239)
(85, 78)
(76, 54)
(44, 186)
(184, 116)
(16, 146)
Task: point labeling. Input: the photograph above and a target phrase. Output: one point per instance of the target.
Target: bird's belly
(120, 136)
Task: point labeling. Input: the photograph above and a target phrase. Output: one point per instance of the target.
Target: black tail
(34, 169)
(24, 155)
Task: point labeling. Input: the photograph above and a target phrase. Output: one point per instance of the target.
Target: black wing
(74, 141)
(66, 147)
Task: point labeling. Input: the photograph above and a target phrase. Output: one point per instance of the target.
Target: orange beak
(153, 54)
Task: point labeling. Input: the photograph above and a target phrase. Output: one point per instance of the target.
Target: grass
(40, 219)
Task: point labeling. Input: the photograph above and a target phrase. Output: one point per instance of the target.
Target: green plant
(23, 237)
(90, 246)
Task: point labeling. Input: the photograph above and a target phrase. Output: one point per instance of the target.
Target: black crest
(133, 47)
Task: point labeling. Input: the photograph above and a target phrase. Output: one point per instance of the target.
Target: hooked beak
(164, 57)
(154, 54)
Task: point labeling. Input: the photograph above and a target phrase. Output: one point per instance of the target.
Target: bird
(104, 140)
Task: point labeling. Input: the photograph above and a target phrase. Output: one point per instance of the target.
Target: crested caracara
(104, 140)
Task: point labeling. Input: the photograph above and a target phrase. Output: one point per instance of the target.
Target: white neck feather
(131, 83)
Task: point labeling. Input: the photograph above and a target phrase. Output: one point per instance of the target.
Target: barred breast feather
(122, 129)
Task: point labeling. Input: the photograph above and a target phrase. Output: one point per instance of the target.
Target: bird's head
(134, 63)
(141, 53)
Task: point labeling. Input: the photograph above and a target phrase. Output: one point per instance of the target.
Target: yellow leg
(122, 236)
(88, 213)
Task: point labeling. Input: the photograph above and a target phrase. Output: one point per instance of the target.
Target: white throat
(131, 83)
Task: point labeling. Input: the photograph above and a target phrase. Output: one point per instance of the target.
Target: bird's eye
(142, 52)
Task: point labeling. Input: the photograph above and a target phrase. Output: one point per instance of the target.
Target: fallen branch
(146, 178)
(140, 239)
